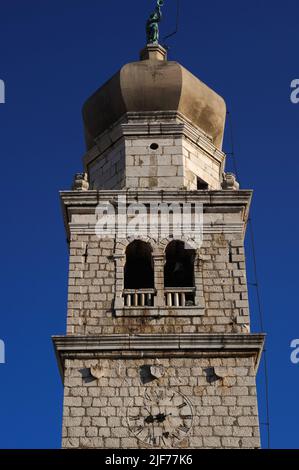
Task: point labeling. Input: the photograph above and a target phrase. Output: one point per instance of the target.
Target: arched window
(139, 269)
(179, 266)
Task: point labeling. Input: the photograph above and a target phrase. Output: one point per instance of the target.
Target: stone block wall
(161, 167)
(213, 374)
(199, 163)
(94, 287)
(141, 153)
(97, 413)
(107, 171)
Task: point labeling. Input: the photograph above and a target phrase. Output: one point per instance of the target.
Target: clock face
(164, 419)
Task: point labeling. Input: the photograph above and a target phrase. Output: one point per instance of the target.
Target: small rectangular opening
(201, 184)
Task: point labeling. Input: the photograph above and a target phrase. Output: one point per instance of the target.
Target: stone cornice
(181, 127)
(219, 202)
(220, 197)
(143, 124)
(159, 345)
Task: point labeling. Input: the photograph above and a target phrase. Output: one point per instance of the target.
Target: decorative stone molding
(81, 182)
(159, 309)
(165, 123)
(230, 182)
(183, 154)
(224, 211)
(158, 345)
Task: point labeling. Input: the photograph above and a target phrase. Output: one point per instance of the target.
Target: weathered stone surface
(145, 158)
(155, 148)
(92, 297)
(217, 422)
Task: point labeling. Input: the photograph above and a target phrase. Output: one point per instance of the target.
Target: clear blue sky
(53, 55)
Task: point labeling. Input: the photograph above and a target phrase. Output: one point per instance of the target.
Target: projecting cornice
(146, 124)
(161, 345)
(224, 203)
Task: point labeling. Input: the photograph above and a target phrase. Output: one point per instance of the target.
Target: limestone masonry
(158, 351)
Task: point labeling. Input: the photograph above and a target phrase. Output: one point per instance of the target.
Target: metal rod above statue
(152, 25)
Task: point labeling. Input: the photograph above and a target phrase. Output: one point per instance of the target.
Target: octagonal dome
(154, 85)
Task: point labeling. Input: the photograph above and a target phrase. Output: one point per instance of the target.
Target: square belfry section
(151, 150)
(158, 351)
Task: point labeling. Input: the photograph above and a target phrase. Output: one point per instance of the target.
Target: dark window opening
(201, 184)
(189, 299)
(154, 146)
(139, 270)
(179, 266)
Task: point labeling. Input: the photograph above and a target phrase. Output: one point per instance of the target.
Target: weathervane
(152, 25)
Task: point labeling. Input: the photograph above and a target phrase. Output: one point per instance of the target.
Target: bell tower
(158, 351)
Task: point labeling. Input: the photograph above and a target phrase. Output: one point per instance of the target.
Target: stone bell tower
(158, 351)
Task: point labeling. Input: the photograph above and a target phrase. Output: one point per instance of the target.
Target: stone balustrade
(179, 296)
(139, 297)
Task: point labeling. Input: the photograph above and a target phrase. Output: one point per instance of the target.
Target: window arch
(179, 265)
(139, 267)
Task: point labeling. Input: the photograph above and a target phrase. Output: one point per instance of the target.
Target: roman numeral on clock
(148, 438)
(182, 405)
(138, 430)
(183, 429)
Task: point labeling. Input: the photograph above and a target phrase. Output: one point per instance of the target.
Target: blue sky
(53, 55)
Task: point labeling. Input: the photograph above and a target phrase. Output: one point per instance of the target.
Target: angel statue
(152, 25)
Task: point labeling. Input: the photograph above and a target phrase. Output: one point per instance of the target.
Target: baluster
(176, 299)
(135, 299)
(128, 300)
(169, 299)
(142, 300)
(183, 299)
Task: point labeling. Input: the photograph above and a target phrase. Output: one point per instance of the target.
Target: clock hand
(149, 419)
(153, 427)
(161, 417)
